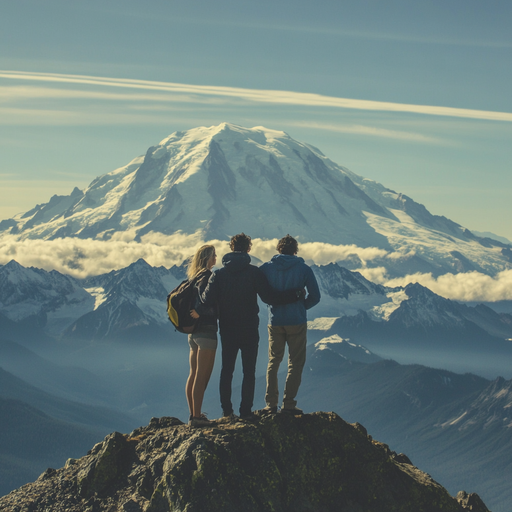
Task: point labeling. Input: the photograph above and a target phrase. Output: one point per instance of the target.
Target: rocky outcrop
(315, 462)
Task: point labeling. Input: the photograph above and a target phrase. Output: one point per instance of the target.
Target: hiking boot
(201, 421)
(292, 411)
(228, 418)
(267, 411)
(250, 416)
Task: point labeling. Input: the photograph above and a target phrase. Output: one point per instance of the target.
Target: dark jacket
(207, 315)
(234, 289)
(286, 272)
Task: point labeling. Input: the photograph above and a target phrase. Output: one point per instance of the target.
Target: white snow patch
(322, 323)
(99, 296)
(383, 311)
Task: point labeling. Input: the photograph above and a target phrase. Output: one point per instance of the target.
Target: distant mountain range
(457, 427)
(408, 324)
(218, 181)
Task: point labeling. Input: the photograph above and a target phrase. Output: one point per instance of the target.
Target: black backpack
(179, 303)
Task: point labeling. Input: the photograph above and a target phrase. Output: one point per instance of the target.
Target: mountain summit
(316, 462)
(215, 182)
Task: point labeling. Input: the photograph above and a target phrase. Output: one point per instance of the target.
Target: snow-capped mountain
(123, 304)
(218, 181)
(414, 324)
(130, 304)
(46, 299)
(350, 303)
(326, 348)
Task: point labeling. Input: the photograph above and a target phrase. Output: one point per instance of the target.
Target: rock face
(316, 462)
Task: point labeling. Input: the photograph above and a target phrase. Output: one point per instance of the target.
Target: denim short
(205, 338)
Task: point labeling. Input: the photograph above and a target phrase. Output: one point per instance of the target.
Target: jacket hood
(236, 261)
(286, 261)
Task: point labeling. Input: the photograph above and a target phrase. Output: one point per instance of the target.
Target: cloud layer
(82, 258)
(465, 287)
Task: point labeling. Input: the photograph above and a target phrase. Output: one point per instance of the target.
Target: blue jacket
(286, 272)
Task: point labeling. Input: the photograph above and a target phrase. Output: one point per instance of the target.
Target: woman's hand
(194, 314)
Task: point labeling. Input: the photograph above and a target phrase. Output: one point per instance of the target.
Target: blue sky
(415, 95)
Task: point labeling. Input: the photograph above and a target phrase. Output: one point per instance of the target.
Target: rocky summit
(280, 463)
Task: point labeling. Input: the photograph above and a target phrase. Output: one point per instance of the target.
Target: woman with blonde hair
(203, 341)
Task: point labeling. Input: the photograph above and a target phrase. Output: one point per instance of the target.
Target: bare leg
(191, 379)
(205, 361)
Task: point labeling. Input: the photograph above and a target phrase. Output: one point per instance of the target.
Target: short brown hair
(288, 245)
(240, 243)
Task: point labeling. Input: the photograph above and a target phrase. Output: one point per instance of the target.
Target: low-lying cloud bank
(465, 287)
(82, 258)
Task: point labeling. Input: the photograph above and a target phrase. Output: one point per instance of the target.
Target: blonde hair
(200, 260)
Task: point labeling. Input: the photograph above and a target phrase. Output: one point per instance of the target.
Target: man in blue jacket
(288, 323)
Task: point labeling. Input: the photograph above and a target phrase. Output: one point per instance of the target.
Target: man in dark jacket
(234, 289)
(288, 323)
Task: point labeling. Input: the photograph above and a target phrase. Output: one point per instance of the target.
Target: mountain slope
(410, 324)
(214, 182)
(40, 430)
(31, 440)
(99, 418)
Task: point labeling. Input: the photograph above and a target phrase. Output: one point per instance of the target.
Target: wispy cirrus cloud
(20, 92)
(259, 95)
(369, 130)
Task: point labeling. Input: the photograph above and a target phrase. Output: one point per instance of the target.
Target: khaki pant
(278, 337)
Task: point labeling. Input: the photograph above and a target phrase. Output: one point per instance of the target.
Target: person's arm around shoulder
(274, 297)
(210, 295)
(313, 297)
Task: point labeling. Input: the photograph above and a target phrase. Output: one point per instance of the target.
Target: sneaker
(201, 421)
(267, 411)
(292, 411)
